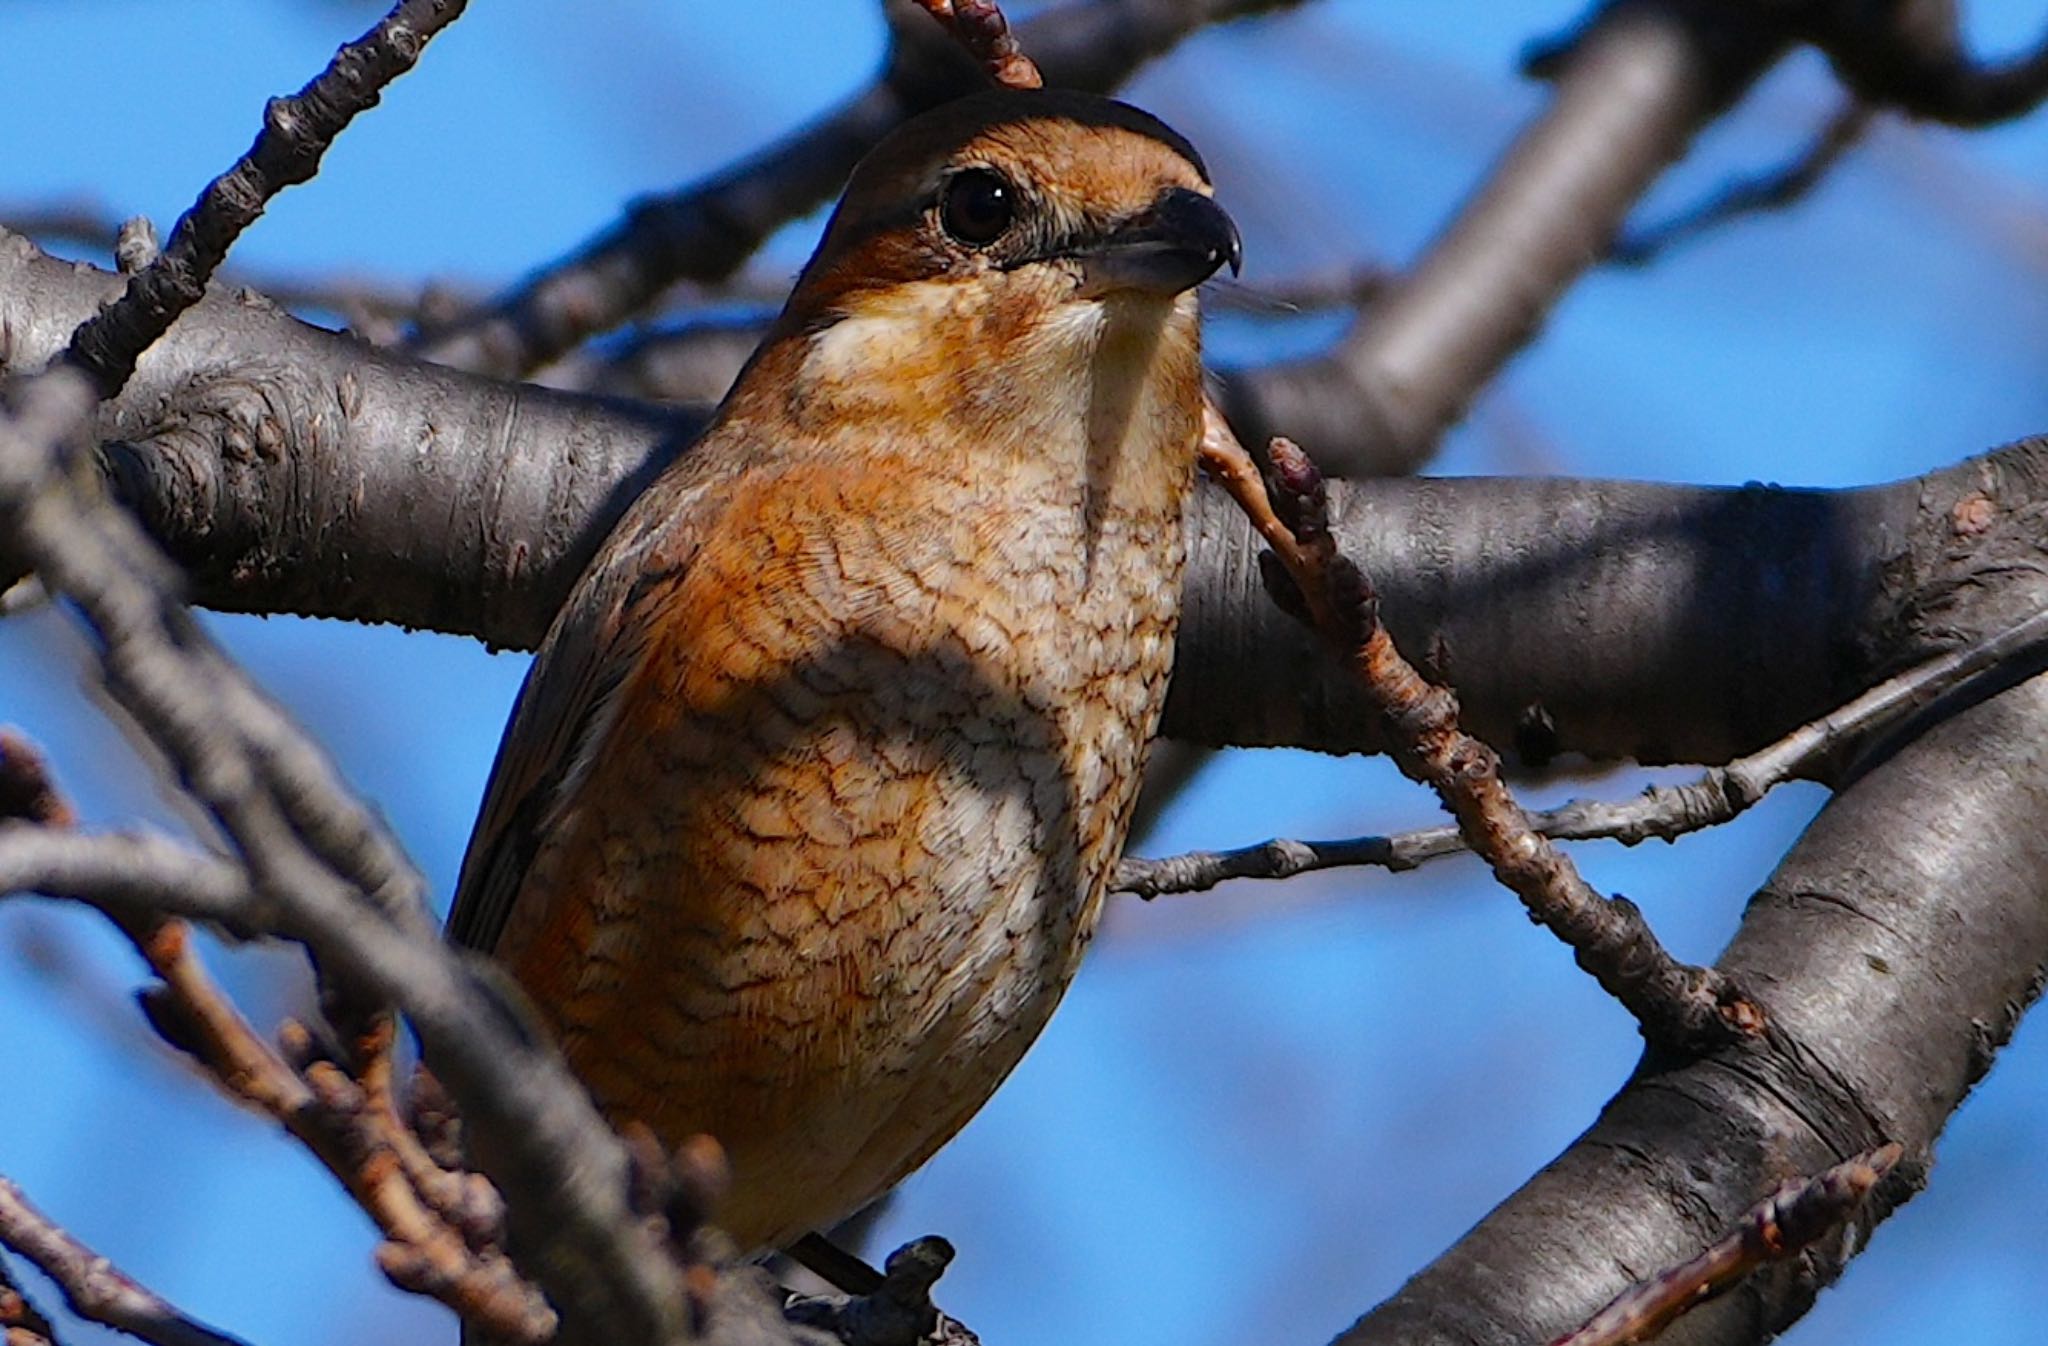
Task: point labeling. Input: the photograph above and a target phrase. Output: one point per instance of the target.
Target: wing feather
(569, 701)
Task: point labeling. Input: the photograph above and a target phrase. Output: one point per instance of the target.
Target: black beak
(1174, 246)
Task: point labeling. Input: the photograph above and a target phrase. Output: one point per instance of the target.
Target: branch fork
(1679, 1005)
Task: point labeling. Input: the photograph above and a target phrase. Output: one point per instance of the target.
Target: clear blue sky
(1259, 1110)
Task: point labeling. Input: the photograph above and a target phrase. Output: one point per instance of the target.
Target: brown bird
(808, 806)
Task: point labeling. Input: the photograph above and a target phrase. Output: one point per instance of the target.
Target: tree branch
(1778, 189)
(1720, 794)
(1910, 54)
(705, 231)
(1894, 951)
(95, 1288)
(1782, 1225)
(1681, 1008)
(1630, 92)
(293, 470)
(296, 133)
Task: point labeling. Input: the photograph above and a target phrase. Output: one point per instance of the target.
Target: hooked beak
(1174, 246)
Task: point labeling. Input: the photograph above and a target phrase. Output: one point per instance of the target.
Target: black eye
(977, 205)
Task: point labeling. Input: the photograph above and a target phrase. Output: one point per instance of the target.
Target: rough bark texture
(296, 470)
(1616, 619)
(1894, 950)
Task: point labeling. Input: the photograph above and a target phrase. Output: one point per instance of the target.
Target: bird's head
(999, 248)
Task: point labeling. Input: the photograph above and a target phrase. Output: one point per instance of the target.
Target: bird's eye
(977, 206)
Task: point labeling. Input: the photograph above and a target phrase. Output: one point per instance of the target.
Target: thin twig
(244, 766)
(1662, 812)
(1677, 1004)
(982, 31)
(1784, 186)
(1783, 1224)
(705, 231)
(95, 1288)
(350, 1130)
(296, 133)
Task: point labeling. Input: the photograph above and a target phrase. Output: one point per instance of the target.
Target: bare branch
(1665, 812)
(1679, 1006)
(562, 1172)
(21, 1323)
(984, 34)
(354, 1131)
(1910, 55)
(1784, 186)
(1895, 949)
(1782, 1225)
(296, 133)
(127, 873)
(1631, 92)
(705, 231)
(94, 1287)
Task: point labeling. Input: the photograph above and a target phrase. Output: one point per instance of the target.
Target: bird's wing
(571, 695)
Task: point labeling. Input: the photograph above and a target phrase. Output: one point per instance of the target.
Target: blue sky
(1259, 1110)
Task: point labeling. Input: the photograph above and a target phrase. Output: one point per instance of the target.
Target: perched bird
(810, 801)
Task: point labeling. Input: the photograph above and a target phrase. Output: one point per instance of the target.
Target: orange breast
(837, 859)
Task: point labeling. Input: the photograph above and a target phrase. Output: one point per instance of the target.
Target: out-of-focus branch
(535, 1132)
(1633, 87)
(95, 1288)
(705, 231)
(1630, 93)
(1782, 187)
(1681, 1008)
(352, 1131)
(1782, 1225)
(1665, 812)
(691, 363)
(378, 310)
(984, 34)
(296, 133)
(315, 867)
(1910, 55)
(21, 1322)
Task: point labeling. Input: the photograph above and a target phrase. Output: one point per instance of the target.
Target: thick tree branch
(1894, 951)
(296, 133)
(1801, 1212)
(293, 470)
(1815, 750)
(1680, 1007)
(1631, 92)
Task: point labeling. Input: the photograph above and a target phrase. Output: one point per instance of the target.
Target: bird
(809, 803)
